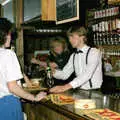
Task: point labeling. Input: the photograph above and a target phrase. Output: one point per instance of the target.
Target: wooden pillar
(48, 10)
(18, 18)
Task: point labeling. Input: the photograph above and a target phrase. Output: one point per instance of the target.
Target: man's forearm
(67, 86)
(59, 89)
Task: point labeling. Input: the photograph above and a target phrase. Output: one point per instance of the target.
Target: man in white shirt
(86, 63)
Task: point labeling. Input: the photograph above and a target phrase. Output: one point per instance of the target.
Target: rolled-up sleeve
(67, 70)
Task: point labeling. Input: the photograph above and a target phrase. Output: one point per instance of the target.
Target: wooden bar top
(68, 111)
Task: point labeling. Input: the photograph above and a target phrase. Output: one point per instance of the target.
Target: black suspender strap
(90, 82)
(87, 56)
(73, 62)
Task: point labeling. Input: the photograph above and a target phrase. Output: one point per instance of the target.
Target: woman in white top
(86, 62)
(10, 73)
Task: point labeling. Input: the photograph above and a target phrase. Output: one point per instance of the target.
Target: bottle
(49, 79)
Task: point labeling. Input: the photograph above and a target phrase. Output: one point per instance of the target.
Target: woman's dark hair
(5, 28)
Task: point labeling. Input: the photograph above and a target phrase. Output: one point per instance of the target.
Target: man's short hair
(81, 31)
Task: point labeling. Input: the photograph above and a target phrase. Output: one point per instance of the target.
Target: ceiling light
(5, 2)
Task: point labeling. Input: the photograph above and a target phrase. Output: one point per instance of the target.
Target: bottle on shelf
(49, 78)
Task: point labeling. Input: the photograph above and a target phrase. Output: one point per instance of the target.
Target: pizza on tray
(61, 99)
(103, 114)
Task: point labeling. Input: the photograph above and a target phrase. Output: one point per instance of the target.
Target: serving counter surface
(46, 110)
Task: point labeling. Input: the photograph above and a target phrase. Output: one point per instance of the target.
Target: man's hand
(59, 89)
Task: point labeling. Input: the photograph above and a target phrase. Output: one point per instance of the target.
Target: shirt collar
(2, 48)
(84, 49)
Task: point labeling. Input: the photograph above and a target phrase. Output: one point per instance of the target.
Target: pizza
(61, 99)
(101, 114)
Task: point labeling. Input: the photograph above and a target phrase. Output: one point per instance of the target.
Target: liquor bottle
(49, 78)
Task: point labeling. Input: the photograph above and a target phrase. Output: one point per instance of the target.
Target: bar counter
(49, 111)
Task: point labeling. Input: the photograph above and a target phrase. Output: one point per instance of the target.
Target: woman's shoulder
(9, 53)
(66, 52)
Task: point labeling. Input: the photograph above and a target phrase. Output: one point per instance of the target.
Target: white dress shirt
(92, 70)
(9, 70)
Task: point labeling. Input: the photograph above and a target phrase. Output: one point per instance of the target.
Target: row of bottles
(109, 52)
(106, 12)
(106, 29)
(106, 38)
(106, 25)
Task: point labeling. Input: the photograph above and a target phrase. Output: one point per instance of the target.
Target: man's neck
(81, 46)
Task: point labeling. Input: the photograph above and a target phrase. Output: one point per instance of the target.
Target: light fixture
(5, 2)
